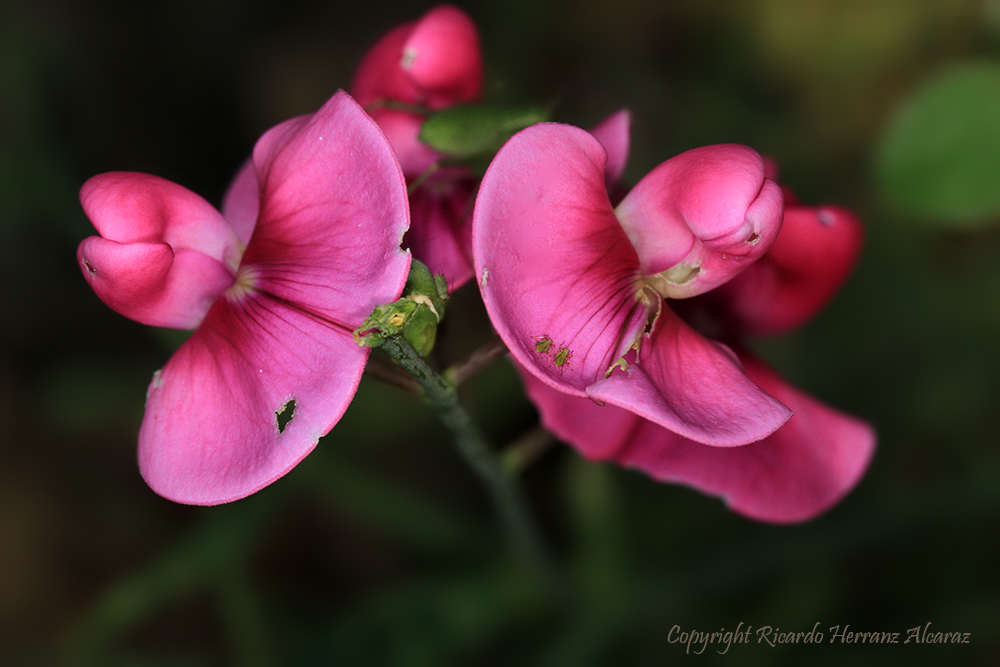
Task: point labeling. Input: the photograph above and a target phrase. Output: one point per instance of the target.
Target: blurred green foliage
(940, 156)
(380, 548)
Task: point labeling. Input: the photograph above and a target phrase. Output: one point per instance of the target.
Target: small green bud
(415, 316)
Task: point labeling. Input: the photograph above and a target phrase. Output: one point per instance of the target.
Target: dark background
(380, 548)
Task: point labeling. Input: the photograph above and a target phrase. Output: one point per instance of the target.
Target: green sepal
(467, 131)
(415, 316)
(422, 281)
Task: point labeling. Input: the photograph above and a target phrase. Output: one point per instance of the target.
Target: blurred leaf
(940, 156)
(219, 542)
(467, 130)
(390, 510)
(433, 621)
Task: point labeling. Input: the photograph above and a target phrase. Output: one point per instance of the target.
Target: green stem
(503, 489)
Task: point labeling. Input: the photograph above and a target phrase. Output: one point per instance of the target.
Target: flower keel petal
(701, 217)
(694, 387)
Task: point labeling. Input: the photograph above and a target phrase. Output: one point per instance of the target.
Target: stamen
(245, 284)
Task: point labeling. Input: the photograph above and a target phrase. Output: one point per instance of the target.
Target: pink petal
(808, 262)
(129, 207)
(596, 431)
(403, 131)
(701, 217)
(380, 76)
(442, 57)
(614, 134)
(441, 231)
(557, 273)
(333, 215)
(211, 433)
(771, 170)
(434, 62)
(797, 473)
(242, 202)
(692, 386)
(164, 253)
(324, 253)
(150, 283)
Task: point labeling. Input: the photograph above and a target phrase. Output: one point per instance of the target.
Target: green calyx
(415, 316)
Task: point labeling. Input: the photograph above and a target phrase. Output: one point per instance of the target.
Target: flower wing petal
(692, 386)
(797, 473)
(213, 429)
(557, 273)
(793, 475)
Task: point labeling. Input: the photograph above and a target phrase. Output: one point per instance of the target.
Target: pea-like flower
(577, 289)
(417, 68)
(307, 246)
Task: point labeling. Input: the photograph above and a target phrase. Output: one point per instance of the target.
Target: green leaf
(939, 158)
(469, 130)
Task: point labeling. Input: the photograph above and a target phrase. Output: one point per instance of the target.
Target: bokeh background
(380, 549)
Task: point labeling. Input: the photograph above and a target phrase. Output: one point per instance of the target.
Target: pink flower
(808, 262)
(275, 297)
(431, 64)
(577, 291)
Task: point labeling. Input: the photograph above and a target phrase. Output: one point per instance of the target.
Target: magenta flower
(275, 297)
(577, 291)
(574, 286)
(431, 64)
(808, 262)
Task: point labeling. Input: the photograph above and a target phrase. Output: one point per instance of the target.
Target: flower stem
(381, 370)
(503, 489)
(479, 359)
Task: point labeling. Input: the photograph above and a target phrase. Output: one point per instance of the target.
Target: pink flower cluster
(626, 318)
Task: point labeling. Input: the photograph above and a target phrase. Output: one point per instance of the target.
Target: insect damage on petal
(283, 416)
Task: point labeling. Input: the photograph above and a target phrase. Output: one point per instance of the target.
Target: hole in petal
(90, 267)
(283, 417)
(753, 238)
